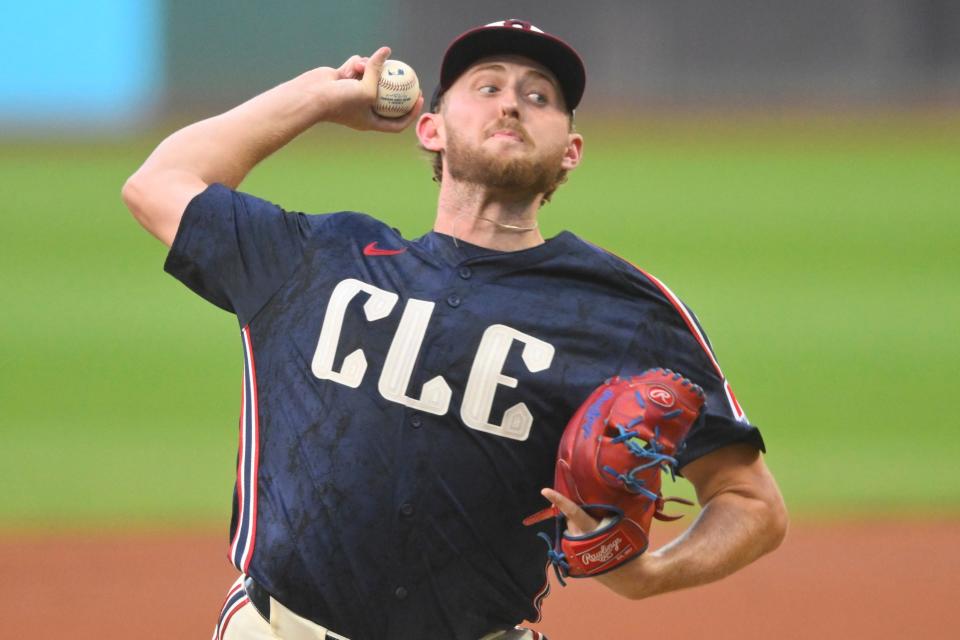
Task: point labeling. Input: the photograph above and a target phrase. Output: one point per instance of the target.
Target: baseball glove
(610, 460)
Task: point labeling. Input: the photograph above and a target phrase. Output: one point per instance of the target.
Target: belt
(260, 599)
(287, 622)
(258, 596)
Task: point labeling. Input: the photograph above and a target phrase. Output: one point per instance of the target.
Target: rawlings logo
(661, 396)
(605, 553)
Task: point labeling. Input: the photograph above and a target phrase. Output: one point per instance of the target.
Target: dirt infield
(873, 580)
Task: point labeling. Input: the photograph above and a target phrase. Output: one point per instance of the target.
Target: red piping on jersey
(544, 591)
(252, 446)
(732, 399)
(691, 325)
(241, 444)
(256, 456)
(695, 330)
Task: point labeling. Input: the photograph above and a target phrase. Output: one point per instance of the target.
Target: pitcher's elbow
(778, 522)
(132, 194)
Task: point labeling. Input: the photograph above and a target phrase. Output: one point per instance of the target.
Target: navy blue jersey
(404, 400)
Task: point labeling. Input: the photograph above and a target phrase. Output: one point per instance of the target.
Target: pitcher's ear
(574, 152)
(430, 131)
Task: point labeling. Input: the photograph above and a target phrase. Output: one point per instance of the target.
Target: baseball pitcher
(405, 400)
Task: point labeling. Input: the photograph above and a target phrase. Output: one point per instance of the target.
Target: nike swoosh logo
(372, 250)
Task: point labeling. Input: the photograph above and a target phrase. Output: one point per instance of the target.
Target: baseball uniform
(403, 401)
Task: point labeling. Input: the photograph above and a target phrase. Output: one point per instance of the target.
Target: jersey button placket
(400, 593)
(407, 510)
(465, 272)
(454, 300)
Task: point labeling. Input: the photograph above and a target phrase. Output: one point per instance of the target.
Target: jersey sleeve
(236, 250)
(669, 335)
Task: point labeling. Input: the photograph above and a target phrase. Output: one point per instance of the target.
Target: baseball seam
(395, 86)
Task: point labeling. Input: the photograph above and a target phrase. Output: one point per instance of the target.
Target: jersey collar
(456, 253)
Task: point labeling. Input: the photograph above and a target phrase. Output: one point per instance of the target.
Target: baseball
(397, 90)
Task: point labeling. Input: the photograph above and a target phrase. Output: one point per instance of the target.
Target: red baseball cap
(517, 37)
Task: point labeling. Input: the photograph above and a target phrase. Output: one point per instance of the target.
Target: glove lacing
(555, 553)
(654, 456)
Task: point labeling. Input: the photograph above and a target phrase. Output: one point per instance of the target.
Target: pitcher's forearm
(227, 147)
(727, 536)
(743, 517)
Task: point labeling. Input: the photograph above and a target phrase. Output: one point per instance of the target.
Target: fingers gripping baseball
(371, 73)
(354, 95)
(353, 68)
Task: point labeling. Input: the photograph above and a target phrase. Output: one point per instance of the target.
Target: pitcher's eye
(537, 97)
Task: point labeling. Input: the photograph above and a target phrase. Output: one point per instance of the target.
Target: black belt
(259, 597)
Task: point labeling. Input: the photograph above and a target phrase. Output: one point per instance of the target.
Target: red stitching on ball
(393, 86)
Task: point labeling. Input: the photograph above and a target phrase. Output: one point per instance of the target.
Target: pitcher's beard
(519, 175)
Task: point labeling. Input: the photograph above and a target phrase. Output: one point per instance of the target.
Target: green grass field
(822, 257)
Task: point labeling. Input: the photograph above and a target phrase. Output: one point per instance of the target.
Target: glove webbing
(653, 454)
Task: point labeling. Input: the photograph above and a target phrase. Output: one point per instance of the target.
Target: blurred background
(125, 62)
(791, 170)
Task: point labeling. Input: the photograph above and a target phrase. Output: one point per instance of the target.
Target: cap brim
(553, 53)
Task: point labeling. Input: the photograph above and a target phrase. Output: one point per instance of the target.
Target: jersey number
(486, 373)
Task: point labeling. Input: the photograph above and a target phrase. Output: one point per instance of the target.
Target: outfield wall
(131, 62)
(734, 53)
